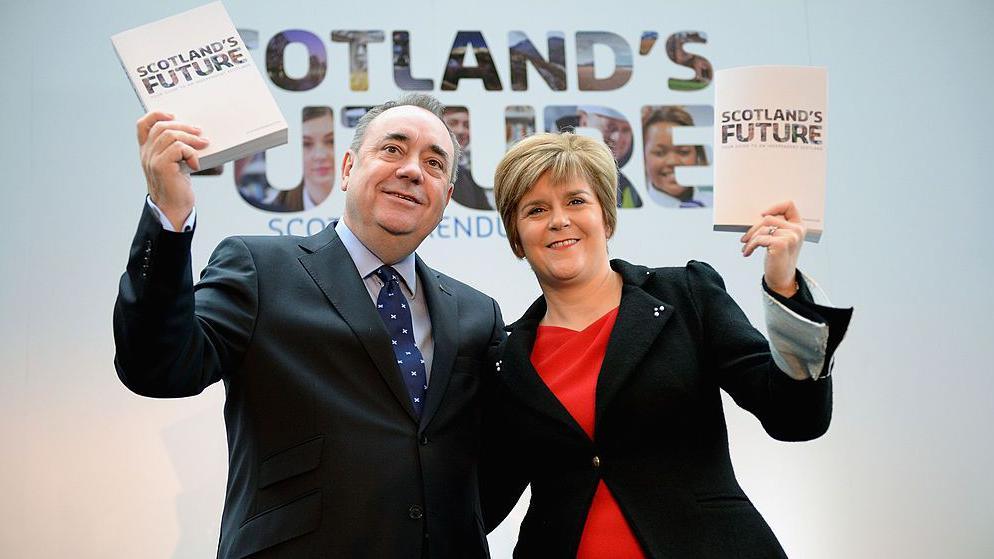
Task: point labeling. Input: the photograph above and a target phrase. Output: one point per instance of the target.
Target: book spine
(130, 80)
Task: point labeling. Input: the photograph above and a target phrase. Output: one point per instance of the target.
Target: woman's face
(562, 232)
(319, 153)
(661, 157)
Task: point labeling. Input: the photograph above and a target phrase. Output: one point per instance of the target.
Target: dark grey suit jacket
(326, 456)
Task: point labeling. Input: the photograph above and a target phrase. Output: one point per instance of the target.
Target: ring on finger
(773, 229)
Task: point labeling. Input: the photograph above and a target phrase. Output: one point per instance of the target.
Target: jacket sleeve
(502, 475)
(503, 461)
(741, 359)
(174, 339)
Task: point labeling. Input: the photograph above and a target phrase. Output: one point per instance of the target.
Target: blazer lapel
(330, 266)
(442, 308)
(641, 318)
(520, 376)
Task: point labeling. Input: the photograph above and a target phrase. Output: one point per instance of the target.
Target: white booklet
(196, 66)
(770, 144)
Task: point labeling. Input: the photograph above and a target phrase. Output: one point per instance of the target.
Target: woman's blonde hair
(566, 157)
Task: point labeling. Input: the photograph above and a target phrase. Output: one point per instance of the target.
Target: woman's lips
(565, 243)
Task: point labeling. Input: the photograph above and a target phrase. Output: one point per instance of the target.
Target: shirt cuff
(799, 338)
(166, 224)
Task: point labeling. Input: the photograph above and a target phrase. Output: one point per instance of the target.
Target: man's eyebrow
(435, 148)
(397, 136)
(439, 151)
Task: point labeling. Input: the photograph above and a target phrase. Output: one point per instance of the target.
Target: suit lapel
(521, 378)
(330, 266)
(641, 318)
(442, 308)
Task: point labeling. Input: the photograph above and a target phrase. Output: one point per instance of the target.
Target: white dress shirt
(367, 263)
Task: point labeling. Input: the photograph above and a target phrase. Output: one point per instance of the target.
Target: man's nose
(410, 169)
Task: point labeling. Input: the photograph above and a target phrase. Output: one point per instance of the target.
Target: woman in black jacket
(607, 393)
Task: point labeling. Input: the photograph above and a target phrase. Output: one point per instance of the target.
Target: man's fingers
(177, 151)
(168, 137)
(162, 126)
(145, 123)
(191, 158)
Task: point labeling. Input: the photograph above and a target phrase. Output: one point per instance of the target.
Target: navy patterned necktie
(396, 315)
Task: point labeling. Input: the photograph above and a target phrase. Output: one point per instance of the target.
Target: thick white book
(196, 66)
(770, 144)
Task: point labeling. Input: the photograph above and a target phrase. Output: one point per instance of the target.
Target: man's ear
(347, 163)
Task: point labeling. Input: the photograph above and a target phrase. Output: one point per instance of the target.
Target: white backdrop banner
(91, 470)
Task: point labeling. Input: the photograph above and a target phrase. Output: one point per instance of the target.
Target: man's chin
(398, 229)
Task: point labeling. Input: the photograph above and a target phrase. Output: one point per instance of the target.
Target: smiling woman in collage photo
(662, 158)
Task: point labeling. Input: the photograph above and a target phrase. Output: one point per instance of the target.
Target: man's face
(617, 132)
(458, 121)
(398, 184)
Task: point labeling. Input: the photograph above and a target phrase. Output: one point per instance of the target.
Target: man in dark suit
(352, 387)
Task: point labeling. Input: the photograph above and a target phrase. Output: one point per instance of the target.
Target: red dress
(569, 362)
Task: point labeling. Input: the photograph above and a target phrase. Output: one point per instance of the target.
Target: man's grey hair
(426, 102)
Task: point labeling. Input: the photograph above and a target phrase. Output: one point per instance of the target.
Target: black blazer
(326, 458)
(660, 442)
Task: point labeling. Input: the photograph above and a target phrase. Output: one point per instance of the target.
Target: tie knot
(387, 274)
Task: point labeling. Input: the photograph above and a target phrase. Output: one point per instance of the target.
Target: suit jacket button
(424, 440)
(416, 512)
(596, 462)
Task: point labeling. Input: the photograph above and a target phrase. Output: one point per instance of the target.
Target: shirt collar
(366, 262)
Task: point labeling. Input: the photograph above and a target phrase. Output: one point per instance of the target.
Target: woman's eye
(576, 201)
(534, 211)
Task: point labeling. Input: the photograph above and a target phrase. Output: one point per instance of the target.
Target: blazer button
(424, 440)
(596, 462)
(415, 512)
